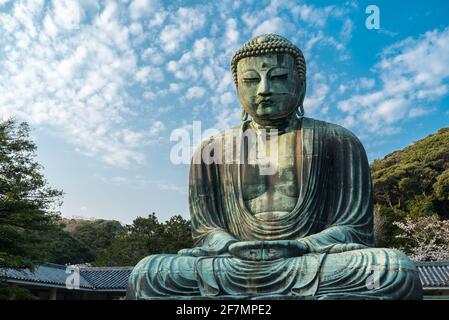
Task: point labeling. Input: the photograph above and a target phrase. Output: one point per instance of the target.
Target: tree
(427, 238)
(177, 235)
(97, 234)
(146, 236)
(79, 241)
(68, 249)
(28, 206)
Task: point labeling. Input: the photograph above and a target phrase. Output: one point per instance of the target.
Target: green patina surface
(295, 224)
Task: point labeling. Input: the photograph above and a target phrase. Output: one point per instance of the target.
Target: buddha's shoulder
(329, 128)
(221, 137)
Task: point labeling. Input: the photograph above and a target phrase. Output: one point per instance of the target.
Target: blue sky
(104, 83)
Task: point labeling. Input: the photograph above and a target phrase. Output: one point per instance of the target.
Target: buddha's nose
(264, 87)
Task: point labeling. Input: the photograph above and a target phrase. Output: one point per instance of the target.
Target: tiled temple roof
(434, 274)
(107, 277)
(91, 278)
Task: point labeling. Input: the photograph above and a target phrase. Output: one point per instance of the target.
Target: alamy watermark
(373, 280)
(73, 279)
(232, 146)
(373, 20)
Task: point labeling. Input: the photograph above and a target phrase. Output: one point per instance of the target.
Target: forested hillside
(411, 190)
(109, 243)
(80, 240)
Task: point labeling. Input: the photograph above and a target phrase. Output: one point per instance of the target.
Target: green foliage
(98, 234)
(79, 240)
(146, 236)
(67, 249)
(177, 235)
(441, 186)
(27, 204)
(412, 183)
(386, 236)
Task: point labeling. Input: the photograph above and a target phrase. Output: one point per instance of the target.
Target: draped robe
(334, 209)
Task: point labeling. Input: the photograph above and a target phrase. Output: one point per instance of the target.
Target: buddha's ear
(302, 93)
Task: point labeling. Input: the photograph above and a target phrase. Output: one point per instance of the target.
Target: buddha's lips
(265, 102)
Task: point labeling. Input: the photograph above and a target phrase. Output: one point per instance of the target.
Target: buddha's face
(269, 88)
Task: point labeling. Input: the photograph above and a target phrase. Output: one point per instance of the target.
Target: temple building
(49, 282)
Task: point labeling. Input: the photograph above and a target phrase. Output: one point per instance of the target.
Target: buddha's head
(270, 77)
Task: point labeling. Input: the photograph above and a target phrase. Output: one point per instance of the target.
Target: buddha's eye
(279, 74)
(251, 80)
(279, 77)
(250, 77)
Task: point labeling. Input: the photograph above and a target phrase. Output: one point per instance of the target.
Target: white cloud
(49, 26)
(153, 55)
(24, 13)
(411, 72)
(143, 8)
(183, 71)
(202, 48)
(419, 111)
(78, 83)
(227, 98)
(142, 74)
(157, 19)
(232, 34)
(156, 128)
(389, 111)
(319, 38)
(175, 87)
(149, 74)
(135, 29)
(314, 101)
(347, 29)
(168, 186)
(313, 15)
(227, 118)
(366, 83)
(274, 25)
(184, 22)
(67, 14)
(132, 138)
(195, 93)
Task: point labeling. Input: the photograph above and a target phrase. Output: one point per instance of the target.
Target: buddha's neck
(281, 125)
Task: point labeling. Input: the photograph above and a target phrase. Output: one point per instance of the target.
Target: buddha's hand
(197, 252)
(211, 249)
(267, 250)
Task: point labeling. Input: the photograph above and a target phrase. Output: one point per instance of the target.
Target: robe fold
(334, 205)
